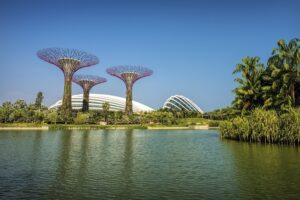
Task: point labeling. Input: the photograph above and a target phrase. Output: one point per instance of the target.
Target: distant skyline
(192, 46)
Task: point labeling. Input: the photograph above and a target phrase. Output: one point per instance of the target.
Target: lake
(143, 164)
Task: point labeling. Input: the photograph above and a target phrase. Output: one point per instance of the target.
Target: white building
(96, 101)
(179, 102)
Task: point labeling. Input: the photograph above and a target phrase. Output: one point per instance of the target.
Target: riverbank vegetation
(22, 114)
(264, 126)
(267, 98)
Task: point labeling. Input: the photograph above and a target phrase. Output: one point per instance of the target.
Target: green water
(141, 164)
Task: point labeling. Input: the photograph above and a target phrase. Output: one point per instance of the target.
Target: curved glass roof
(179, 102)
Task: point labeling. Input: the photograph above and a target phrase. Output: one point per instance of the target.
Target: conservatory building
(97, 100)
(179, 102)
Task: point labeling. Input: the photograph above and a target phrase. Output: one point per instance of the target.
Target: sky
(192, 46)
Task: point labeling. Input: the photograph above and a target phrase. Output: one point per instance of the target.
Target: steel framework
(69, 61)
(87, 82)
(129, 75)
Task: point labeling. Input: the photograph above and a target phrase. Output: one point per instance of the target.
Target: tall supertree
(129, 75)
(69, 61)
(87, 82)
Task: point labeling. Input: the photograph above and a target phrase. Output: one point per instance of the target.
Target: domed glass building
(179, 102)
(97, 100)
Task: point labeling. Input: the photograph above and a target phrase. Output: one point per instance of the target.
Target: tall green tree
(5, 110)
(39, 100)
(105, 109)
(248, 93)
(283, 75)
(19, 112)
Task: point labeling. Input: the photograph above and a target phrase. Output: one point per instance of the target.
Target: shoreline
(25, 128)
(94, 127)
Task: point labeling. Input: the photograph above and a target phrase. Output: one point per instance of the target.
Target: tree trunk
(292, 93)
(128, 108)
(85, 101)
(67, 98)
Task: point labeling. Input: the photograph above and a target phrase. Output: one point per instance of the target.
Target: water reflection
(139, 164)
(62, 162)
(84, 154)
(266, 171)
(126, 172)
(36, 148)
(83, 157)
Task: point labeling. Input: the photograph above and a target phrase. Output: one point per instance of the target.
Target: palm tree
(248, 93)
(284, 73)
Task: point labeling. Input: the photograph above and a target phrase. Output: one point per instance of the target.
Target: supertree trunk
(87, 82)
(68, 66)
(129, 75)
(85, 102)
(67, 98)
(128, 107)
(69, 61)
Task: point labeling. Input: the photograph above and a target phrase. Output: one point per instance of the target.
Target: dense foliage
(264, 126)
(21, 112)
(267, 98)
(276, 86)
(222, 114)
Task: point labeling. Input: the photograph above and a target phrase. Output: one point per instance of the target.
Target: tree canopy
(276, 86)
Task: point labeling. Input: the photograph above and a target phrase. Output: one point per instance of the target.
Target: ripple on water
(141, 164)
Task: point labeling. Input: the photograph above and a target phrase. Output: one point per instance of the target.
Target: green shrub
(264, 126)
(81, 118)
(226, 129)
(290, 127)
(52, 117)
(237, 129)
(213, 123)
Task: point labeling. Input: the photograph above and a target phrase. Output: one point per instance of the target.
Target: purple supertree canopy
(57, 56)
(88, 81)
(129, 71)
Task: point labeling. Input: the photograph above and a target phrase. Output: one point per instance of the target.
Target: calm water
(143, 164)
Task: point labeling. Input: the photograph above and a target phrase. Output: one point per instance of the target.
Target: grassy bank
(22, 125)
(264, 127)
(188, 124)
(126, 126)
(181, 124)
(95, 126)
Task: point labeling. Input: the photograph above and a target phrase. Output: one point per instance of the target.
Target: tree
(248, 94)
(118, 115)
(5, 111)
(81, 118)
(105, 109)
(284, 75)
(39, 100)
(52, 117)
(19, 112)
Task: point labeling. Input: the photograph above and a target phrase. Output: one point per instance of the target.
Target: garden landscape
(150, 100)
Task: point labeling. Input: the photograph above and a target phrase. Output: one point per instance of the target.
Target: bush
(213, 123)
(290, 127)
(264, 126)
(52, 117)
(81, 118)
(226, 129)
(237, 129)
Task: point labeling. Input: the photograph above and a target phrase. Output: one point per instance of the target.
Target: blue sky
(192, 46)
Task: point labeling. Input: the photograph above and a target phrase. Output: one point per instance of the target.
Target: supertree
(69, 61)
(87, 82)
(129, 75)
